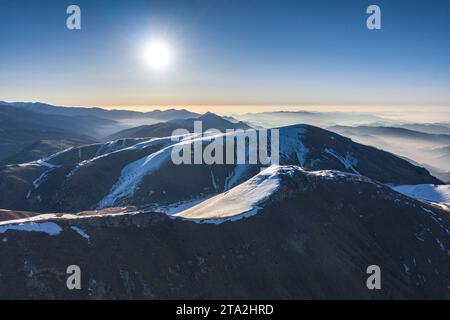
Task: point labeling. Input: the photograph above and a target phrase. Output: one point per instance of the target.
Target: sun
(158, 55)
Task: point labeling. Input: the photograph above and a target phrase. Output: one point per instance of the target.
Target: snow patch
(349, 161)
(132, 175)
(120, 146)
(49, 228)
(335, 174)
(406, 268)
(428, 192)
(80, 232)
(45, 161)
(110, 147)
(214, 183)
(37, 183)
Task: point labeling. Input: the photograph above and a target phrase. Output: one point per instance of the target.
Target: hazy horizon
(420, 114)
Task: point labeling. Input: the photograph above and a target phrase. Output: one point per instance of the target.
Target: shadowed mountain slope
(313, 236)
(140, 172)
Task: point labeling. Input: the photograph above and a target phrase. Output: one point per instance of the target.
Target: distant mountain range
(165, 129)
(320, 119)
(17, 118)
(30, 135)
(164, 115)
(442, 153)
(433, 128)
(30, 131)
(428, 149)
(392, 132)
(42, 148)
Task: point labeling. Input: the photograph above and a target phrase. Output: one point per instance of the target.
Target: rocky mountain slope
(140, 172)
(309, 235)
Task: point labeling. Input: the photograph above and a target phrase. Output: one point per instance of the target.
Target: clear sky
(227, 52)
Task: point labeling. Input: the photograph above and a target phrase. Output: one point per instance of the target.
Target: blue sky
(246, 52)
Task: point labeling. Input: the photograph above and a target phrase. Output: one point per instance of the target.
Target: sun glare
(158, 55)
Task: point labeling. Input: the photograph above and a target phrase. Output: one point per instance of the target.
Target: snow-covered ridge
(291, 146)
(428, 192)
(242, 201)
(45, 162)
(133, 173)
(335, 174)
(238, 202)
(48, 223)
(246, 199)
(68, 216)
(115, 147)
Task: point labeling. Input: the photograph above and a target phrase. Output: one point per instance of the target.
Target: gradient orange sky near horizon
(255, 108)
(240, 109)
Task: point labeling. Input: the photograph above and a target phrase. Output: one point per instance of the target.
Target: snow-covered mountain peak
(247, 198)
(240, 201)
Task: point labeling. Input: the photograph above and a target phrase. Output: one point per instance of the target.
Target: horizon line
(256, 108)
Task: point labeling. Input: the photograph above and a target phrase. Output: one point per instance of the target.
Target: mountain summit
(284, 234)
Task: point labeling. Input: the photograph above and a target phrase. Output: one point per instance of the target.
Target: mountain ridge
(114, 114)
(312, 239)
(140, 172)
